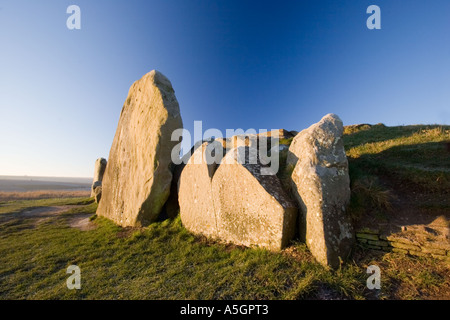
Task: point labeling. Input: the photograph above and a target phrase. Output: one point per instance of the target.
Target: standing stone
(99, 170)
(138, 176)
(321, 184)
(226, 142)
(251, 209)
(97, 194)
(195, 198)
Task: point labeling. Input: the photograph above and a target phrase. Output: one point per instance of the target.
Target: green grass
(408, 158)
(165, 261)
(286, 141)
(16, 206)
(415, 156)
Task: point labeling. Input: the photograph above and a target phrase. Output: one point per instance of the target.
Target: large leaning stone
(321, 184)
(136, 183)
(251, 209)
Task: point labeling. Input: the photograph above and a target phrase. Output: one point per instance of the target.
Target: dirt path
(38, 216)
(416, 215)
(82, 222)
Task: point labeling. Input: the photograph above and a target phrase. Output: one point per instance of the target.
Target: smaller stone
(197, 211)
(251, 208)
(433, 251)
(444, 245)
(418, 253)
(399, 240)
(398, 250)
(97, 194)
(99, 171)
(321, 185)
(405, 246)
(373, 247)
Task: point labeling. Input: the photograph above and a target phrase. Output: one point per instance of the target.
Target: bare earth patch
(37, 216)
(82, 222)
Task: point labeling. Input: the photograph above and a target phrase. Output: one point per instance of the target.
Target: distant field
(29, 188)
(47, 194)
(26, 184)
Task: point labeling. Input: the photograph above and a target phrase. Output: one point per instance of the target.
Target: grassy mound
(165, 261)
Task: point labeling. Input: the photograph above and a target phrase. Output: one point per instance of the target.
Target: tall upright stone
(99, 170)
(321, 185)
(137, 180)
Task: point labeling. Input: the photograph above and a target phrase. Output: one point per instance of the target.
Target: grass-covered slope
(416, 156)
(395, 168)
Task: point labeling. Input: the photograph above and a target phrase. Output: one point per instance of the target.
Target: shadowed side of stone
(321, 185)
(137, 179)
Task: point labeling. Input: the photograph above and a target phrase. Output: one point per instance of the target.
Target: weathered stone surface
(397, 238)
(99, 170)
(232, 201)
(250, 140)
(94, 186)
(321, 185)
(399, 250)
(226, 142)
(433, 251)
(252, 209)
(97, 194)
(283, 147)
(405, 246)
(138, 176)
(379, 243)
(279, 134)
(253, 140)
(417, 253)
(195, 196)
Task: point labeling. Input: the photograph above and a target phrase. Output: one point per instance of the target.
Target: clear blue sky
(233, 64)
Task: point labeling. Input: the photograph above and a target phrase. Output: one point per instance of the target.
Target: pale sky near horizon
(233, 64)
